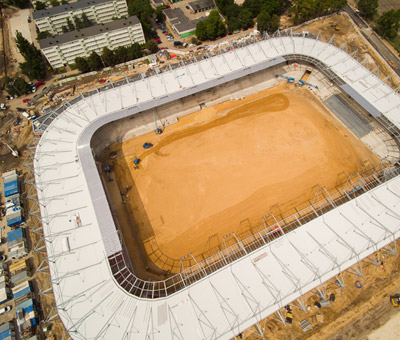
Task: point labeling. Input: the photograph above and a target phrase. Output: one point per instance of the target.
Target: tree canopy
(267, 24)
(308, 9)
(368, 8)
(33, 67)
(210, 28)
(152, 46)
(16, 86)
(143, 10)
(19, 3)
(82, 64)
(40, 5)
(388, 24)
(94, 61)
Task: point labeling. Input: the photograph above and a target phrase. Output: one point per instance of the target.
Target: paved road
(373, 38)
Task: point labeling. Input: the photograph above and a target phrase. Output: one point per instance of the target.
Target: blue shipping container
(5, 334)
(15, 234)
(22, 293)
(11, 222)
(11, 188)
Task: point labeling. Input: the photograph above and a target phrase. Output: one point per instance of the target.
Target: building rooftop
(88, 32)
(73, 6)
(200, 4)
(181, 22)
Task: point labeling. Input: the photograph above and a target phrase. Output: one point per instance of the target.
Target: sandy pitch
(232, 162)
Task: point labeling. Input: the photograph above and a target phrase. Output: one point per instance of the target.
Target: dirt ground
(232, 162)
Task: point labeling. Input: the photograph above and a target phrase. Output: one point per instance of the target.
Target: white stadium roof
(91, 285)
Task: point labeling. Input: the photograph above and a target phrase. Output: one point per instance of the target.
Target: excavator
(289, 79)
(395, 300)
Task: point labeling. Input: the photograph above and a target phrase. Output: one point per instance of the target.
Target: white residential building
(63, 49)
(98, 11)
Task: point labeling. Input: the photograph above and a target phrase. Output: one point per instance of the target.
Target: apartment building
(63, 49)
(98, 11)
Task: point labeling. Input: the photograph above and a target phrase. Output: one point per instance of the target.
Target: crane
(302, 82)
(289, 79)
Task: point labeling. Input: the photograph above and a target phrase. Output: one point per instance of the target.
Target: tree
(86, 22)
(71, 26)
(388, 24)
(64, 2)
(108, 57)
(19, 3)
(78, 22)
(43, 35)
(233, 25)
(194, 40)
(143, 10)
(215, 27)
(134, 51)
(16, 86)
(82, 64)
(245, 19)
(253, 6)
(40, 5)
(159, 14)
(201, 30)
(94, 61)
(54, 3)
(263, 20)
(152, 46)
(33, 67)
(121, 54)
(64, 29)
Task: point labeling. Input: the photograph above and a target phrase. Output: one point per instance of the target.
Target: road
(373, 39)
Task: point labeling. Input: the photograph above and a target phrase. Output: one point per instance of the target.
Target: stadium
(99, 292)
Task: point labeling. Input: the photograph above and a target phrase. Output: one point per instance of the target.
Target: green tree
(19, 3)
(94, 61)
(245, 19)
(64, 2)
(368, 8)
(215, 27)
(121, 54)
(108, 57)
(54, 3)
(40, 5)
(143, 10)
(263, 20)
(86, 21)
(159, 14)
(71, 26)
(152, 46)
(78, 23)
(134, 51)
(33, 67)
(64, 29)
(253, 6)
(43, 35)
(82, 64)
(16, 86)
(194, 40)
(201, 30)
(388, 24)
(233, 25)
(308, 9)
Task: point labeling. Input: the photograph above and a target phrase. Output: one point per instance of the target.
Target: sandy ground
(389, 331)
(231, 163)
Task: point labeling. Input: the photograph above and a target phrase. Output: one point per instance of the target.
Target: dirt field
(231, 163)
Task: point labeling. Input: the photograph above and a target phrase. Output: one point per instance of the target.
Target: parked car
(9, 97)
(5, 310)
(17, 121)
(3, 258)
(157, 40)
(33, 89)
(187, 7)
(40, 82)
(3, 106)
(25, 100)
(20, 109)
(177, 43)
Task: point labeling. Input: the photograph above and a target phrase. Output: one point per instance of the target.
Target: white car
(3, 106)
(5, 310)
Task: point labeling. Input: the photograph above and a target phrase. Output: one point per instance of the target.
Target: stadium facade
(96, 291)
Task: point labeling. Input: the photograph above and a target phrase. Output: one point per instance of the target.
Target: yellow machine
(395, 300)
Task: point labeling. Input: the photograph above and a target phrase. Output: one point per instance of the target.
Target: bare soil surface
(232, 162)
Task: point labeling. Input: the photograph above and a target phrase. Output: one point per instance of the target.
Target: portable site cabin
(26, 317)
(17, 266)
(20, 276)
(18, 251)
(13, 201)
(7, 331)
(11, 184)
(15, 238)
(5, 293)
(22, 291)
(14, 216)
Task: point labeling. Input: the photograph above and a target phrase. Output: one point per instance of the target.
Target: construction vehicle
(108, 170)
(302, 82)
(335, 26)
(289, 79)
(395, 300)
(147, 145)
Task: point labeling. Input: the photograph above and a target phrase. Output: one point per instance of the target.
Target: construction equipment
(15, 153)
(107, 170)
(289, 79)
(395, 300)
(302, 82)
(136, 161)
(147, 145)
(158, 130)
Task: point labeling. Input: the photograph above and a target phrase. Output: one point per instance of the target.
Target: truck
(177, 43)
